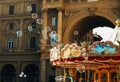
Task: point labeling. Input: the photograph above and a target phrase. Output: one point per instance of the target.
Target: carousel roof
(97, 55)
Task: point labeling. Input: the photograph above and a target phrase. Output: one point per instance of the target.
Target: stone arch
(14, 64)
(109, 15)
(25, 64)
(30, 73)
(16, 24)
(11, 33)
(27, 23)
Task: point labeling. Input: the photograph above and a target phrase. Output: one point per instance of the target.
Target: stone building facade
(19, 41)
(21, 49)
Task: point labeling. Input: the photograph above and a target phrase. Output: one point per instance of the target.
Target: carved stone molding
(60, 9)
(44, 10)
(68, 14)
(116, 11)
(92, 10)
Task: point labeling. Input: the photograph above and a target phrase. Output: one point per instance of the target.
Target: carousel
(85, 62)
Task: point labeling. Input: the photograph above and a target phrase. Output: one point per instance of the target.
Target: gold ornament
(117, 22)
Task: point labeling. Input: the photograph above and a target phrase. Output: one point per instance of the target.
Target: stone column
(22, 7)
(1, 32)
(20, 38)
(59, 25)
(44, 29)
(0, 9)
(21, 29)
(43, 70)
(88, 75)
(3, 38)
(18, 72)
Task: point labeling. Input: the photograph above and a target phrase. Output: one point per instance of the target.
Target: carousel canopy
(99, 53)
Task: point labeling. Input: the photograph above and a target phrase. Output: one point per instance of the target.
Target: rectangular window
(54, 21)
(11, 10)
(10, 43)
(11, 26)
(33, 25)
(33, 8)
(33, 42)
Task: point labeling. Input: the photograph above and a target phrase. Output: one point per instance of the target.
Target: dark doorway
(32, 73)
(8, 73)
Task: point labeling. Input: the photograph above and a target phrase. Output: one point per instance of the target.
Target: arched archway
(8, 73)
(31, 73)
(85, 23)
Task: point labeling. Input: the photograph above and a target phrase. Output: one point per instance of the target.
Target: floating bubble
(39, 20)
(19, 33)
(34, 16)
(76, 32)
(30, 28)
(29, 8)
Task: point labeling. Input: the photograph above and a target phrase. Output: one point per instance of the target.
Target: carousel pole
(56, 74)
(88, 75)
(118, 74)
(88, 69)
(64, 72)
